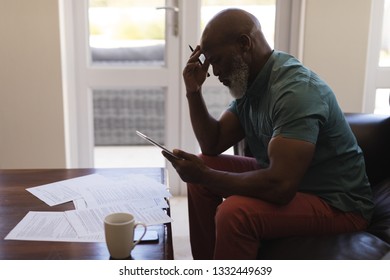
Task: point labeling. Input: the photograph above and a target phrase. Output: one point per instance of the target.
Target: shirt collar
(260, 84)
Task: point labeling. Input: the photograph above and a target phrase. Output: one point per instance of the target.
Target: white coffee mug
(119, 233)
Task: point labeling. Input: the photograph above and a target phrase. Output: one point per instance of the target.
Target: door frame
(79, 72)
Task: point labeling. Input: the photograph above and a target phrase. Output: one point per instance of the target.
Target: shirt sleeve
(233, 107)
(299, 113)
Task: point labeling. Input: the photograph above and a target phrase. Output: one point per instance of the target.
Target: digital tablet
(155, 143)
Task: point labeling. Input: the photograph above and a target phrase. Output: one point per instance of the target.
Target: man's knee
(230, 213)
(212, 161)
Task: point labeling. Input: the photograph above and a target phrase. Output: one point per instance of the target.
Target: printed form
(94, 196)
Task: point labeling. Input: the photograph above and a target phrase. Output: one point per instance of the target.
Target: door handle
(175, 11)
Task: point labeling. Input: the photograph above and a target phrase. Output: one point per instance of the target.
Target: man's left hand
(190, 168)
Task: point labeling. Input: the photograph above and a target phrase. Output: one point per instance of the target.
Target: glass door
(126, 78)
(131, 35)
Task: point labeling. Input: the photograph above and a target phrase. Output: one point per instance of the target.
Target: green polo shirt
(290, 100)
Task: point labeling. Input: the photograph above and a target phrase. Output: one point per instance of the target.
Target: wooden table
(16, 202)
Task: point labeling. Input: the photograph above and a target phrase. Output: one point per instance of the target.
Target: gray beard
(239, 78)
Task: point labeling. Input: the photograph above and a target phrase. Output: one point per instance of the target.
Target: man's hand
(190, 168)
(194, 73)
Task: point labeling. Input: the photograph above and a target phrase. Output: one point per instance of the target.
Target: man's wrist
(207, 176)
(193, 93)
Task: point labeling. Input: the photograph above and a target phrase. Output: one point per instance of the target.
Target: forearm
(204, 125)
(260, 184)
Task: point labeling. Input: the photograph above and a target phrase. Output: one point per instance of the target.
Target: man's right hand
(194, 73)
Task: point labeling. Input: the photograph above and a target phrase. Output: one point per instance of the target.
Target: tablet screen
(155, 143)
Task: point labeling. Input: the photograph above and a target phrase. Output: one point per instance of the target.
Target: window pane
(382, 101)
(217, 98)
(384, 59)
(127, 31)
(117, 114)
(264, 10)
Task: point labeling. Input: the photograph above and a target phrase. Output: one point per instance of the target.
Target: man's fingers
(181, 154)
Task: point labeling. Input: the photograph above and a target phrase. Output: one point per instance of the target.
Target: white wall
(335, 46)
(31, 106)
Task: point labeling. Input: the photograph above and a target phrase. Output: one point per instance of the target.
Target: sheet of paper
(145, 203)
(90, 221)
(66, 190)
(125, 189)
(80, 203)
(49, 226)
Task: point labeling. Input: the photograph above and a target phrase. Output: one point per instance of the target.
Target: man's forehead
(209, 44)
(207, 50)
(205, 42)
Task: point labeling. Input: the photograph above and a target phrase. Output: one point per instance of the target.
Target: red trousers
(233, 227)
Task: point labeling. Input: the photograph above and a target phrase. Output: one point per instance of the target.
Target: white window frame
(376, 77)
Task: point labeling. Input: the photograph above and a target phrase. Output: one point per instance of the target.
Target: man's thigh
(306, 214)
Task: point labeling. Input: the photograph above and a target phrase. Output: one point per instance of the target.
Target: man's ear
(244, 42)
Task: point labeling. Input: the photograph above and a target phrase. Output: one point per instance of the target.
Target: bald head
(228, 25)
(235, 35)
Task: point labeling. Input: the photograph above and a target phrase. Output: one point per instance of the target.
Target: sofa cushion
(380, 223)
(373, 136)
(349, 246)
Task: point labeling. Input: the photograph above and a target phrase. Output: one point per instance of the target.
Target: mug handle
(143, 234)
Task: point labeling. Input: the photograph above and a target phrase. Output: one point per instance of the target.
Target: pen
(208, 74)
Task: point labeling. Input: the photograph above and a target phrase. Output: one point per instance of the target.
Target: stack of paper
(94, 196)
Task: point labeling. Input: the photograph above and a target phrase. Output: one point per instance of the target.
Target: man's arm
(214, 136)
(278, 183)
